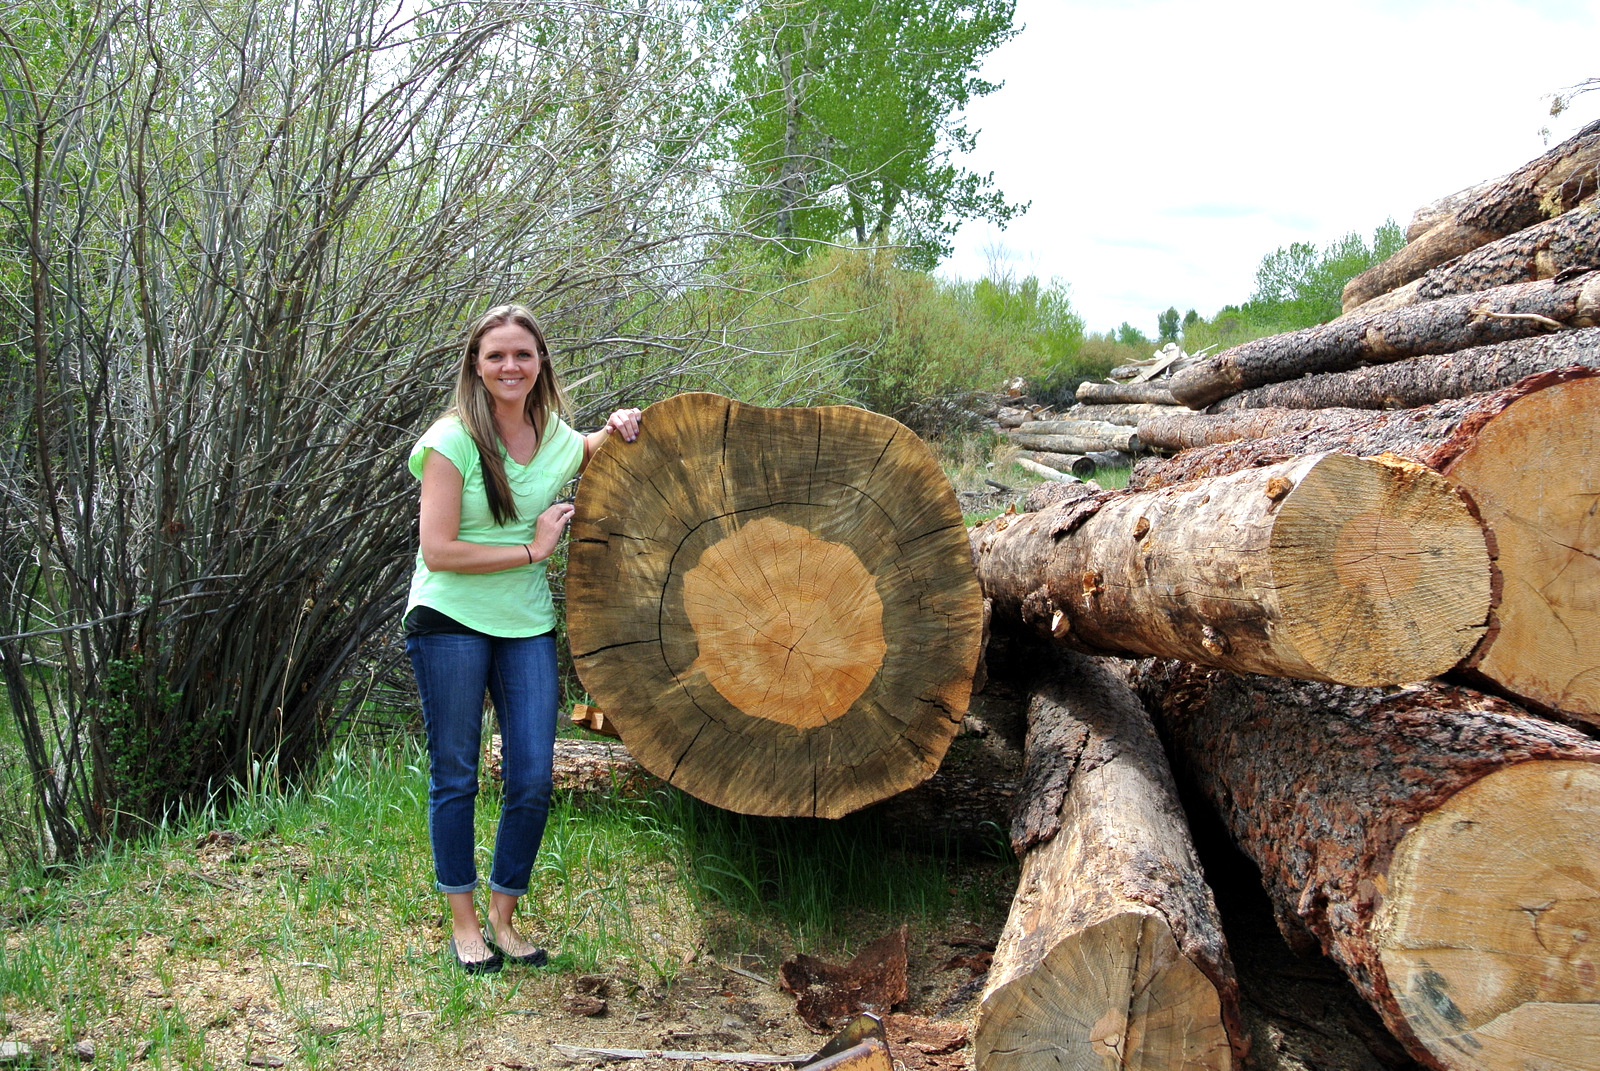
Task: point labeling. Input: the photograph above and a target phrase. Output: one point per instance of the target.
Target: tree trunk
(1538, 190)
(1423, 380)
(1327, 567)
(776, 606)
(1525, 456)
(1076, 436)
(1073, 464)
(1443, 326)
(1125, 414)
(1113, 954)
(1126, 393)
(1438, 843)
(1184, 429)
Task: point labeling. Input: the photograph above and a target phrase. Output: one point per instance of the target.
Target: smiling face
(508, 362)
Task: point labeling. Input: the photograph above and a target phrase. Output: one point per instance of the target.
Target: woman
(480, 615)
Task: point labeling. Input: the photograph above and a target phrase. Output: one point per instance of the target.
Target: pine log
(1444, 326)
(1113, 954)
(1025, 461)
(1126, 393)
(777, 606)
(1421, 381)
(1008, 417)
(1439, 845)
(1126, 414)
(1184, 429)
(1110, 459)
(1078, 465)
(1525, 457)
(1327, 567)
(1094, 437)
(1540, 189)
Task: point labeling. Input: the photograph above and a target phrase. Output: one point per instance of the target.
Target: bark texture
(1077, 465)
(776, 606)
(1127, 414)
(1185, 429)
(1074, 436)
(1444, 326)
(1525, 457)
(1113, 953)
(1421, 381)
(1326, 567)
(1438, 844)
(1540, 189)
(1126, 393)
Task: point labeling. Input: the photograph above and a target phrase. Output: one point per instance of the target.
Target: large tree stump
(1525, 455)
(776, 606)
(1444, 326)
(1113, 954)
(1425, 380)
(1539, 189)
(1439, 844)
(1327, 567)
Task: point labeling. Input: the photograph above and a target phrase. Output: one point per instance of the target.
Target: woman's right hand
(548, 528)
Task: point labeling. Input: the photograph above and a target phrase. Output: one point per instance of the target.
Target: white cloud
(1167, 146)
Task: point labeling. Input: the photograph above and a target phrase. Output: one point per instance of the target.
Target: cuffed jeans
(453, 672)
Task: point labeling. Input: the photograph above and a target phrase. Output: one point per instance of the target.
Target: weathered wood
(1125, 393)
(1421, 381)
(1026, 461)
(1185, 429)
(1110, 459)
(1525, 456)
(1326, 567)
(1126, 414)
(1010, 417)
(1439, 845)
(776, 606)
(1077, 465)
(1090, 436)
(1443, 326)
(1540, 189)
(1113, 954)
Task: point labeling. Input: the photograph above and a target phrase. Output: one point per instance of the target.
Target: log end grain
(1532, 472)
(1382, 571)
(1117, 994)
(778, 604)
(1489, 932)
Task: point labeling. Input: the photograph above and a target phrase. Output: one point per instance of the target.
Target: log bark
(1436, 842)
(1540, 189)
(776, 606)
(1184, 429)
(1026, 462)
(1077, 465)
(1110, 459)
(1091, 437)
(1127, 414)
(1444, 326)
(1113, 954)
(1326, 567)
(1421, 381)
(1525, 457)
(1126, 393)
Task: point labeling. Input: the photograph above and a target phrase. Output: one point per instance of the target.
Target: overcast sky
(1167, 145)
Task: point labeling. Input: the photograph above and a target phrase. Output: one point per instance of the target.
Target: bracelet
(529, 551)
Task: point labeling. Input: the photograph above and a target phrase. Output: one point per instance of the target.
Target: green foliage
(1167, 326)
(1129, 335)
(151, 749)
(845, 117)
(1296, 286)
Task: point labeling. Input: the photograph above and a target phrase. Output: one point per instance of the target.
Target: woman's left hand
(625, 421)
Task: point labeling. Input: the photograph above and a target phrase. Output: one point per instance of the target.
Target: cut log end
(1118, 994)
(1383, 573)
(1530, 471)
(1490, 927)
(777, 604)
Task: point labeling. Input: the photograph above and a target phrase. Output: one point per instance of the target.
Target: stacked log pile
(1369, 578)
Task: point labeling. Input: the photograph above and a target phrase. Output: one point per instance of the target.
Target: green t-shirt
(512, 602)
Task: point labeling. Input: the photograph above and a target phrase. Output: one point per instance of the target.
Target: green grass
(304, 924)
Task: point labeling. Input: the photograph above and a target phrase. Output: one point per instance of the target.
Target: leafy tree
(845, 115)
(1302, 285)
(1167, 326)
(1130, 335)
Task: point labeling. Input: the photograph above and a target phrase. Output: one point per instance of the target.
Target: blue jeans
(453, 672)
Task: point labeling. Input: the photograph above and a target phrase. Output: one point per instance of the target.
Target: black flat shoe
(478, 966)
(537, 958)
